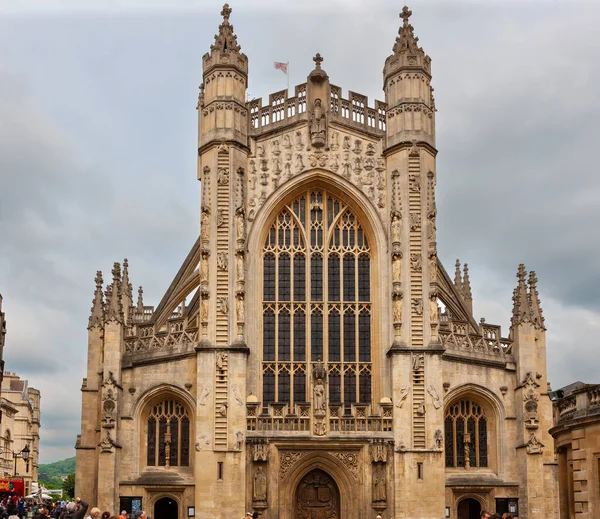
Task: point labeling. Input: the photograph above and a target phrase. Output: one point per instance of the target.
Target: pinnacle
(521, 273)
(457, 276)
(140, 301)
(225, 40)
(526, 305)
(467, 284)
(97, 313)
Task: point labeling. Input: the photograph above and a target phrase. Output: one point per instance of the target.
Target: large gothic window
(466, 435)
(316, 302)
(168, 435)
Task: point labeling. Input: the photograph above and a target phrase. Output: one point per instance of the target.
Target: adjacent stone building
(20, 428)
(2, 341)
(576, 434)
(312, 357)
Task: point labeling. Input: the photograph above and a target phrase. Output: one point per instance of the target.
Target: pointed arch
(364, 381)
(494, 413)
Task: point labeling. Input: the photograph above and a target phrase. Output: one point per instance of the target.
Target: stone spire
(140, 301)
(534, 302)
(115, 307)
(457, 277)
(406, 51)
(126, 288)
(521, 307)
(97, 315)
(408, 92)
(466, 286)
(225, 40)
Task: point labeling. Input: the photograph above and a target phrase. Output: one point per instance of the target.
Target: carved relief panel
(277, 160)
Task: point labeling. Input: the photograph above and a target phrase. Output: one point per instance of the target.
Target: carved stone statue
(223, 176)
(318, 126)
(319, 400)
(204, 310)
(205, 226)
(239, 267)
(396, 228)
(286, 142)
(239, 308)
(397, 309)
(239, 441)
(222, 261)
(240, 225)
(259, 490)
(379, 484)
(397, 268)
(438, 438)
(204, 268)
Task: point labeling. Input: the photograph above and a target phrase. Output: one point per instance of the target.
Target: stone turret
(416, 349)
(408, 91)
(223, 151)
(534, 408)
(222, 110)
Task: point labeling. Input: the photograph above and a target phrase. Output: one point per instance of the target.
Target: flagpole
(288, 78)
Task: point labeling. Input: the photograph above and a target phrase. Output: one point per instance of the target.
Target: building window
(316, 301)
(466, 435)
(168, 435)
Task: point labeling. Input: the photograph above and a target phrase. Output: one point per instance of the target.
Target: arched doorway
(317, 497)
(469, 509)
(166, 508)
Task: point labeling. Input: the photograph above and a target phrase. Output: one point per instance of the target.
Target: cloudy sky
(98, 159)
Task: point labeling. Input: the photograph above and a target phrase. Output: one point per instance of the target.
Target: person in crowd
(105, 515)
(13, 512)
(123, 514)
(485, 514)
(94, 513)
(506, 515)
(73, 511)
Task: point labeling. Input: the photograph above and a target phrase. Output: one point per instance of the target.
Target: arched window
(6, 440)
(466, 435)
(168, 435)
(316, 302)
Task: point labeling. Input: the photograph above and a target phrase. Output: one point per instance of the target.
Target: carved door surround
(340, 481)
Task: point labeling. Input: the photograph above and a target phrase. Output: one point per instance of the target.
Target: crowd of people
(19, 508)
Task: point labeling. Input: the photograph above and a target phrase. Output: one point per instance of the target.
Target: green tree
(68, 486)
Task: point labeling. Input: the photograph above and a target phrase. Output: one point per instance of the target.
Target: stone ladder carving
(221, 400)
(223, 232)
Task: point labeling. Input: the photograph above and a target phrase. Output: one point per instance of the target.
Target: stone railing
(357, 418)
(456, 335)
(583, 402)
(566, 407)
(282, 111)
(177, 333)
(594, 396)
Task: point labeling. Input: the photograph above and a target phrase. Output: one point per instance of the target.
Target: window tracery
(466, 435)
(168, 435)
(316, 302)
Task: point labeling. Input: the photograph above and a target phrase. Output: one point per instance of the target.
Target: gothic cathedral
(313, 358)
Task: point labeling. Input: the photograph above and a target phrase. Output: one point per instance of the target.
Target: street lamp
(24, 454)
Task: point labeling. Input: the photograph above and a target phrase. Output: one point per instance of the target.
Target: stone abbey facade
(312, 357)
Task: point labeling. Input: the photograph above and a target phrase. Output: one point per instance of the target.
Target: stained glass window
(168, 435)
(316, 303)
(465, 420)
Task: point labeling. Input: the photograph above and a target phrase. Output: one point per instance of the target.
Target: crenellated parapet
(281, 111)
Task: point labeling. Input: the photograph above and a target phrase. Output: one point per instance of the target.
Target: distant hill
(50, 474)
